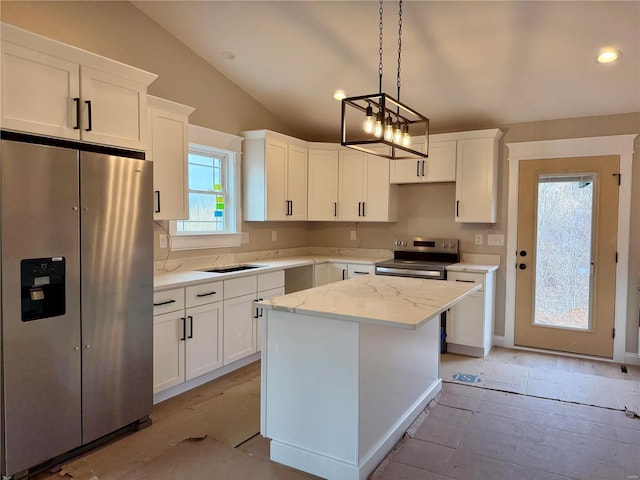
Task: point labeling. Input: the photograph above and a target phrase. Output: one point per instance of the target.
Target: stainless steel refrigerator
(77, 293)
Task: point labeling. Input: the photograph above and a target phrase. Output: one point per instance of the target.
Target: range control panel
(425, 244)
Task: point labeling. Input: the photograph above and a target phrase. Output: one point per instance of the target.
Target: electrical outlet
(352, 235)
(479, 239)
(244, 237)
(495, 240)
(164, 243)
(274, 235)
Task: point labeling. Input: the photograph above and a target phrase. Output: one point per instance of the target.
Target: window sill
(199, 242)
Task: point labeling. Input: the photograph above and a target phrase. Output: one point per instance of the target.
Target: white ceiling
(465, 64)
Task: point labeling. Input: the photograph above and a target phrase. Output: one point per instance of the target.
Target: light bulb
(397, 134)
(377, 129)
(388, 130)
(406, 139)
(369, 122)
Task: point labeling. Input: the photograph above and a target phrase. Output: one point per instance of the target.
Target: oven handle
(406, 272)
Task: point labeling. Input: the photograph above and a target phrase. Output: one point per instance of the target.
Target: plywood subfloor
(470, 433)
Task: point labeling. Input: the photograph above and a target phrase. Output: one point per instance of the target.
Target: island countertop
(385, 300)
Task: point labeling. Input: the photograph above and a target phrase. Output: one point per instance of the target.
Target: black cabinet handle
(359, 209)
(205, 294)
(465, 281)
(291, 211)
(423, 168)
(164, 303)
(335, 209)
(360, 273)
(363, 214)
(184, 329)
(344, 274)
(157, 194)
(417, 168)
(190, 326)
(257, 308)
(457, 208)
(262, 309)
(89, 126)
(77, 102)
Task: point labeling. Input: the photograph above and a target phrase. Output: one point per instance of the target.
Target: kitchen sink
(234, 268)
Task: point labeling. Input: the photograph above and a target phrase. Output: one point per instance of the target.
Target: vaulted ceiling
(464, 64)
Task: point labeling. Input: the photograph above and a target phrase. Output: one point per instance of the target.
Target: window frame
(206, 139)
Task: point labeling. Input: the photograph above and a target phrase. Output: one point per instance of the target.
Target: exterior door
(566, 267)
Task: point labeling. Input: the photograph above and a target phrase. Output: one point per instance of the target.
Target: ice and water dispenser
(42, 288)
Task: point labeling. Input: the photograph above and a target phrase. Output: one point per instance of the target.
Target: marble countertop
(385, 300)
(185, 278)
(472, 268)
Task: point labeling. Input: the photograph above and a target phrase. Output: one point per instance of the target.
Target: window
(208, 193)
(213, 192)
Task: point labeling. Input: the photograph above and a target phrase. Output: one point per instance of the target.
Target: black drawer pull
(466, 281)
(360, 273)
(205, 294)
(164, 303)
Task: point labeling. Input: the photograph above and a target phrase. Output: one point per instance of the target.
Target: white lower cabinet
(334, 272)
(259, 312)
(187, 334)
(470, 322)
(357, 270)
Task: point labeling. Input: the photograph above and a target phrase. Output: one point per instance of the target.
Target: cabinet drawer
(356, 270)
(237, 287)
(467, 278)
(168, 301)
(202, 294)
(267, 281)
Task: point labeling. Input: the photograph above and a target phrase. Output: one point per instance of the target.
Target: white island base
(338, 394)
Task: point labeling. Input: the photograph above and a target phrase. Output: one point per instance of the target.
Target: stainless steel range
(420, 257)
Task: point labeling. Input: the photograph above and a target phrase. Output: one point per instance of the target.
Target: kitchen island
(347, 367)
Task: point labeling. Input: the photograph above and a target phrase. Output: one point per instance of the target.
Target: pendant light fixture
(382, 125)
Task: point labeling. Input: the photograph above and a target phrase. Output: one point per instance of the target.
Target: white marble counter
(472, 268)
(376, 299)
(185, 278)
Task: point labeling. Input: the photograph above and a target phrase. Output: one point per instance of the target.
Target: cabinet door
(276, 171)
(169, 150)
(112, 110)
(465, 321)
(264, 295)
(350, 184)
(376, 200)
(336, 272)
(168, 350)
(323, 185)
(476, 169)
(441, 164)
(239, 328)
(406, 171)
(297, 182)
(320, 274)
(38, 93)
(204, 339)
(358, 270)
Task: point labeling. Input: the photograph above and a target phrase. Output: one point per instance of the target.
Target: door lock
(522, 266)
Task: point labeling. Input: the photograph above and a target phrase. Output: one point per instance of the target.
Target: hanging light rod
(382, 125)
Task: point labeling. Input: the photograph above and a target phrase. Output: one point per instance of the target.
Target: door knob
(522, 266)
(523, 253)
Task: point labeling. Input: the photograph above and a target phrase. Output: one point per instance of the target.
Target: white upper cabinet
(169, 150)
(323, 185)
(53, 89)
(364, 193)
(440, 166)
(274, 177)
(477, 178)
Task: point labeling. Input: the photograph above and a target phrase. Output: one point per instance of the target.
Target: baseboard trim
(632, 358)
(498, 341)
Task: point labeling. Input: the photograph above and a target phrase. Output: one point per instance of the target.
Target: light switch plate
(245, 237)
(163, 241)
(274, 235)
(352, 235)
(496, 240)
(479, 239)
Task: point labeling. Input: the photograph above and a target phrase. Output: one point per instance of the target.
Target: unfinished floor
(468, 433)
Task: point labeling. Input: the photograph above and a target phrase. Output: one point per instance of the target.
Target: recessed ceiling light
(228, 55)
(608, 55)
(339, 95)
